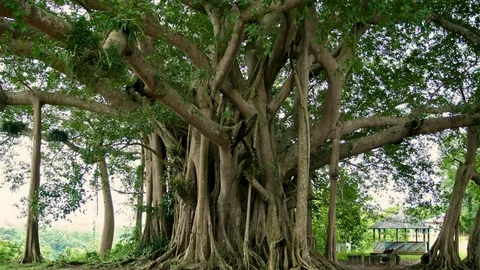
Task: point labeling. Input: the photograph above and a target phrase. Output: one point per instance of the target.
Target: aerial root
(442, 261)
(128, 261)
(253, 256)
(320, 262)
(301, 262)
(236, 261)
(162, 258)
(216, 261)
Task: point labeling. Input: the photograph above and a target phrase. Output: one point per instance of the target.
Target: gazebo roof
(399, 221)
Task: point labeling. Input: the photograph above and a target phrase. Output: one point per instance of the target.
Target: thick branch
(188, 112)
(448, 24)
(38, 18)
(73, 147)
(325, 58)
(170, 98)
(6, 25)
(23, 47)
(280, 97)
(257, 9)
(368, 122)
(476, 178)
(347, 52)
(245, 108)
(392, 135)
(153, 29)
(282, 44)
(26, 97)
(229, 57)
(266, 194)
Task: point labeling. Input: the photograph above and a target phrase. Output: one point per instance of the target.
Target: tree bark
(147, 231)
(32, 245)
(159, 224)
(444, 252)
(156, 224)
(139, 188)
(202, 248)
(300, 239)
(109, 215)
(472, 260)
(330, 249)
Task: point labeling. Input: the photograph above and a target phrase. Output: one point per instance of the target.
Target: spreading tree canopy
(238, 102)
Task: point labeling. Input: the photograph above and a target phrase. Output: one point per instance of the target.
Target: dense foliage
(221, 112)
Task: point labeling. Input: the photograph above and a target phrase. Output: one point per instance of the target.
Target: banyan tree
(241, 101)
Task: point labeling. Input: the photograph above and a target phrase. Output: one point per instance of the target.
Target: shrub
(9, 251)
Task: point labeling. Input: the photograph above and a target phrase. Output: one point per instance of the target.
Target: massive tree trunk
(472, 260)
(224, 208)
(155, 224)
(147, 231)
(109, 214)
(32, 244)
(330, 250)
(444, 252)
(139, 189)
(473, 250)
(300, 237)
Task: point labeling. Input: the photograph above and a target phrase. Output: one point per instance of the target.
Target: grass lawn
(343, 256)
(410, 257)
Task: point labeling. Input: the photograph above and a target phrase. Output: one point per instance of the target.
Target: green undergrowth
(80, 255)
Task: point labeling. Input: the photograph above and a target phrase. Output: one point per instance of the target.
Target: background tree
(355, 210)
(32, 245)
(261, 85)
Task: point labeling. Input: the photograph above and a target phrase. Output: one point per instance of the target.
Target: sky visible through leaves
(92, 217)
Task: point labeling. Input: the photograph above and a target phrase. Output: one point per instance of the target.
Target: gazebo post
(423, 232)
(384, 235)
(373, 235)
(416, 235)
(396, 234)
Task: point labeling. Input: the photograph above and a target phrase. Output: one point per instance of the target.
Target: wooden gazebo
(401, 247)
